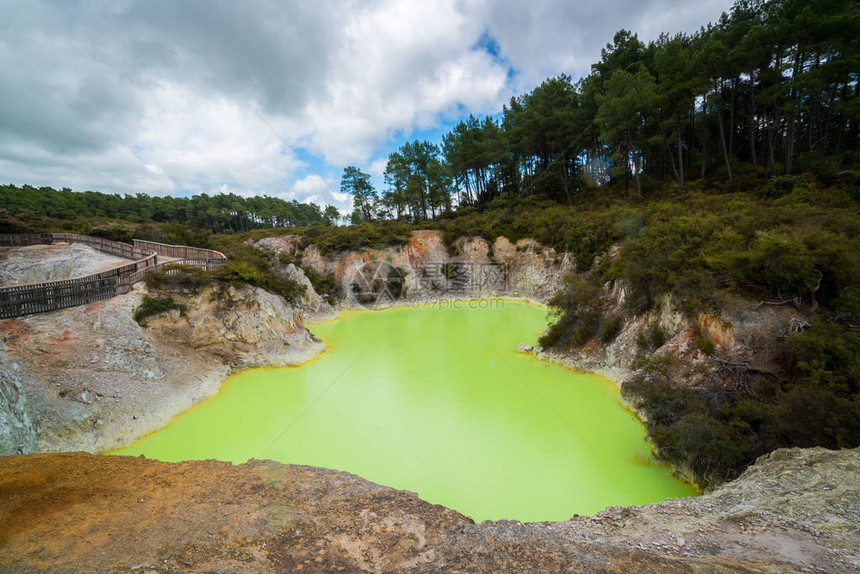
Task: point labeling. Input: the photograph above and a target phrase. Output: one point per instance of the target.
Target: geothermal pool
(436, 400)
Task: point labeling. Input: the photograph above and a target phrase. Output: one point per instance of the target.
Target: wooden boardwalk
(144, 257)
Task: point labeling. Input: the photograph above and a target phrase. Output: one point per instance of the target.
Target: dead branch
(795, 325)
(837, 316)
(738, 371)
(815, 290)
(794, 300)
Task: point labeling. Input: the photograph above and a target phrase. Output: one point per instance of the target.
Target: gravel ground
(38, 263)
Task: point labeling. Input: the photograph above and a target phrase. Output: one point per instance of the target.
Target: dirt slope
(796, 510)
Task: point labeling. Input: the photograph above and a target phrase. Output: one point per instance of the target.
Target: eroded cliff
(472, 267)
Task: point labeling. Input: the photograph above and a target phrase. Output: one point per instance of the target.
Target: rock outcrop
(743, 334)
(473, 267)
(17, 427)
(793, 511)
(93, 379)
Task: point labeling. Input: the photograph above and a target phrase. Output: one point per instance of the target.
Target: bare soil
(794, 511)
(38, 263)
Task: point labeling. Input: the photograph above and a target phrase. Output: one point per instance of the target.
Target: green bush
(240, 273)
(662, 403)
(150, 307)
(704, 344)
(180, 278)
(826, 356)
(650, 338)
(578, 308)
(253, 266)
(716, 432)
(712, 449)
(782, 265)
(611, 330)
(782, 185)
(114, 230)
(378, 234)
(702, 341)
(815, 416)
(325, 285)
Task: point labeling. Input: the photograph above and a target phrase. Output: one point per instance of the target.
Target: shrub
(377, 234)
(783, 185)
(712, 449)
(325, 285)
(704, 344)
(180, 278)
(114, 230)
(253, 266)
(611, 330)
(781, 264)
(825, 356)
(662, 403)
(815, 416)
(588, 240)
(579, 311)
(650, 338)
(239, 273)
(150, 306)
(702, 341)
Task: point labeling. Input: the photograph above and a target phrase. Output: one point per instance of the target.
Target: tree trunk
(723, 138)
(680, 153)
(704, 141)
(636, 167)
(732, 118)
(423, 201)
(691, 133)
(771, 137)
(792, 117)
(752, 120)
(635, 158)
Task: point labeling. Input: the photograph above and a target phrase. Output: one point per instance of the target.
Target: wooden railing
(18, 300)
(115, 248)
(206, 259)
(182, 251)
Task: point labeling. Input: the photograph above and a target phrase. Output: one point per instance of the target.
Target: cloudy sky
(276, 97)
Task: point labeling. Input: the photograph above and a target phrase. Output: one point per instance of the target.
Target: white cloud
(377, 168)
(207, 142)
(162, 97)
(313, 188)
(548, 37)
(402, 66)
(112, 169)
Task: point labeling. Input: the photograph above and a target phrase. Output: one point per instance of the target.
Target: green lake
(436, 400)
